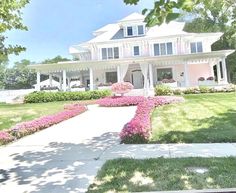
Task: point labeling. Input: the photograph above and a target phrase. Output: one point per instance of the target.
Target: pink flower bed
(119, 101)
(5, 138)
(29, 127)
(138, 130)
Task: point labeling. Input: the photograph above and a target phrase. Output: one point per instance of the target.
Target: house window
(156, 50)
(129, 31)
(163, 49)
(104, 53)
(164, 73)
(116, 52)
(136, 51)
(196, 47)
(110, 53)
(111, 77)
(140, 30)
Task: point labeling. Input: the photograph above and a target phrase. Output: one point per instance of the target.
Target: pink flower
(139, 128)
(33, 126)
(121, 87)
(5, 137)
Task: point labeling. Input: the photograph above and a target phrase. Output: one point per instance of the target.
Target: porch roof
(156, 60)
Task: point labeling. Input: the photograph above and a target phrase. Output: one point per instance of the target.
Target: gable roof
(133, 17)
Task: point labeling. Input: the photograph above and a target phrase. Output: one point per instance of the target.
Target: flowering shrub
(29, 127)
(5, 138)
(121, 87)
(118, 101)
(138, 130)
(163, 90)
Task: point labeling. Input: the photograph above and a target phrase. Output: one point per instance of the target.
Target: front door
(137, 79)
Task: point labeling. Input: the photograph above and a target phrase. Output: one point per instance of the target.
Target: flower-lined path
(65, 157)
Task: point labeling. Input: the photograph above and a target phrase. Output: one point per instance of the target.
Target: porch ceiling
(109, 64)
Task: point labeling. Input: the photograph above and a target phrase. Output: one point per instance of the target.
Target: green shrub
(178, 92)
(193, 90)
(41, 97)
(163, 90)
(204, 89)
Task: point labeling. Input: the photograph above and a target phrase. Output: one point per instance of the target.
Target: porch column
(38, 82)
(144, 69)
(50, 80)
(118, 74)
(81, 78)
(68, 83)
(91, 79)
(224, 71)
(218, 72)
(186, 78)
(64, 80)
(150, 76)
(60, 81)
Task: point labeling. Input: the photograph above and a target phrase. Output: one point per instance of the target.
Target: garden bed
(138, 129)
(26, 128)
(160, 174)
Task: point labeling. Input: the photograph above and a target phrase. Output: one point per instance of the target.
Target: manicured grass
(203, 118)
(129, 175)
(11, 114)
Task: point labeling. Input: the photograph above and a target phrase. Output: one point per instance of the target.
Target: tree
(20, 76)
(55, 60)
(10, 18)
(215, 16)
(168, 10)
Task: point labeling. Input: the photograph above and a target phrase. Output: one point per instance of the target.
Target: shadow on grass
(129, 175)
(57, 167)
(220, 129)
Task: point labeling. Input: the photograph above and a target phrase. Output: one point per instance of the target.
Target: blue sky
(54, 25)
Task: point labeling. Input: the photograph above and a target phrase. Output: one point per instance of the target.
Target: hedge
(166, 90)
(42, 96)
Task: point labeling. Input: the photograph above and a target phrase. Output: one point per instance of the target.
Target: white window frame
(113, 55)
(161, 67)
(159, 44)
(135, 30)
(139, 50)
(195, 44)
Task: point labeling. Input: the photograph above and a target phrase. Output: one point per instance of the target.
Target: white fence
(8, 95)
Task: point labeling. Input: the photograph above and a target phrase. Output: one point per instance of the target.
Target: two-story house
(130, 51)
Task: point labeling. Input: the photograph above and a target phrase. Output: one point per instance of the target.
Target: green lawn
(13, 114)
(203, 118)
(130, 175)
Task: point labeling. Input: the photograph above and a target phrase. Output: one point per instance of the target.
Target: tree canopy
(10, 18)
(168, 10)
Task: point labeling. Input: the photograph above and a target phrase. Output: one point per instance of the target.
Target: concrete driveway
(65, 157)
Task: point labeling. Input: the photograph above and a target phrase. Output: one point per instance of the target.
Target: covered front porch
(143, 72)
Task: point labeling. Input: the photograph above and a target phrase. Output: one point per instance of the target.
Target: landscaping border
(138, 129)
(26, 128)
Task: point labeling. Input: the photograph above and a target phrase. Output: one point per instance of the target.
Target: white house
(129, 51)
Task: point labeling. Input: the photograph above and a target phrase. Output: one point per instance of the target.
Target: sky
(54, 25)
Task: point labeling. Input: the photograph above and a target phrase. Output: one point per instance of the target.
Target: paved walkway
(66, 157)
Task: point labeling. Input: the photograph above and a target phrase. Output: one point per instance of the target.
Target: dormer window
(135, 30)
(130, 31)
(140, 30)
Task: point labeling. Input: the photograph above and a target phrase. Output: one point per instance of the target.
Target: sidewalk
(66, 157)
